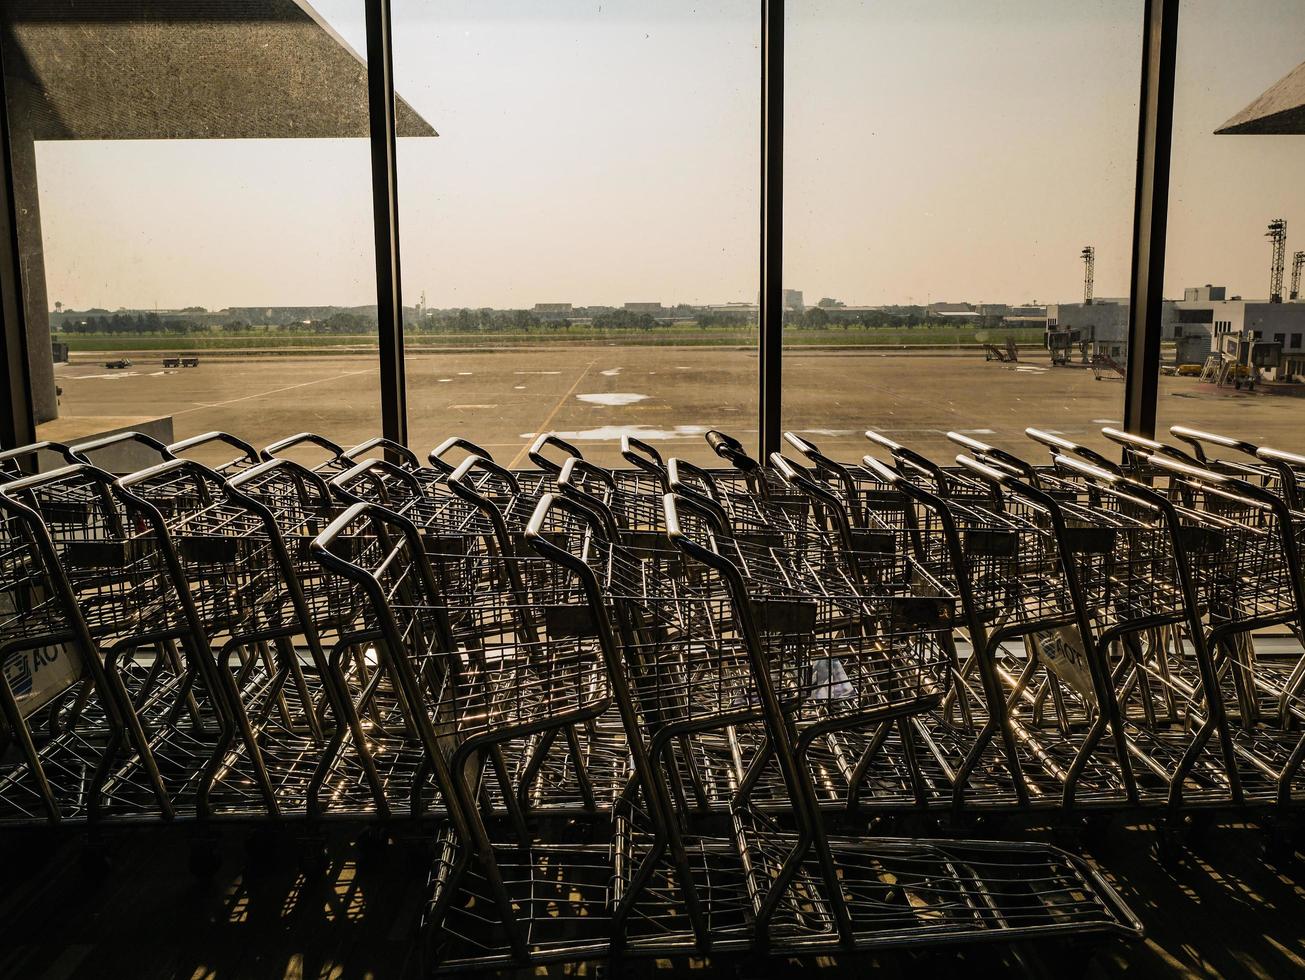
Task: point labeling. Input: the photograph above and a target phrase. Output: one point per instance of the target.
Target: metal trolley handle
(572, 481)
(714, 516)
(731, 450)
(1291, 468)
(436, 456)
(1196, 438)
(672, 505)
(82, 450)
(813, 454)
(465, 488)
(58, 448)
(908, 457)
(391, 448)
(1219, 483)
(274, 450)
(793, 475)
(985, 453)
(1142, 446)
(545, 440)
(540, 539)
(304, 478)
(460, 484)
(247, 453)
(638, 453)
(824, 464)
(1060, 447)
(371, 469)
(708, 497)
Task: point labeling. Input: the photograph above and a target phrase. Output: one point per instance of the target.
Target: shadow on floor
(1228, 910)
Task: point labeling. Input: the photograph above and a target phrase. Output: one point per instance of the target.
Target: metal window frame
(17, 417)
(385, 216)
(1150, 221)
(770, 312)
(1155, 126)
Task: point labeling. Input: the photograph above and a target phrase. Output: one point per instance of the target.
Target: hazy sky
(607, 152)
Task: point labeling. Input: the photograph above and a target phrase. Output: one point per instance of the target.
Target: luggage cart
(124, 573)
(369, 765)
(64, 730)
(1043, 558)
(495, 899)
(1122, 550)
(915, 512)
(959, 535)
(890, 768)
(1143, 611)
(488, 575)
(811, 891)
(1250, 580)
(238, 572)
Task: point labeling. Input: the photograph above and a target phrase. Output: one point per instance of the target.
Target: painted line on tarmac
(543, 426)
(273, 391)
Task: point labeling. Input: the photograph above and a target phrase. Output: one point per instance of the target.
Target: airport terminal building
(1205, 321)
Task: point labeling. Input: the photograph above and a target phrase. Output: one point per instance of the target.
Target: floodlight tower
(1297, 263)
(1089, 257)
(1277, 236)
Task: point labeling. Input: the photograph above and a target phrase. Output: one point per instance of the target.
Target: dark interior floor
(1229, 910)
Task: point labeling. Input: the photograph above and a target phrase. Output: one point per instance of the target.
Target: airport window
(580, 244)
(196, 212)
(936, 265)
(667, 732)
(1231, 169)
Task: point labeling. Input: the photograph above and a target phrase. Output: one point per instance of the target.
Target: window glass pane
(1232, 356)
(580, 243)
(195, 189)
(946, 165)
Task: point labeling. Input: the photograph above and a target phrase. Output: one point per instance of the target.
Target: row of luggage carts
(664, 708)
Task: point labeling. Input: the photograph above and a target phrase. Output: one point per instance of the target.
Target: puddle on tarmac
(611, 433)
(612, 399)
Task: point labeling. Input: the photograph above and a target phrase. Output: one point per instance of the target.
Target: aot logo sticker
(1061, 651)
(36, 676)
(19, 672)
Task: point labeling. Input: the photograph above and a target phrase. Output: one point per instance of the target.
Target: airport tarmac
(665, 395)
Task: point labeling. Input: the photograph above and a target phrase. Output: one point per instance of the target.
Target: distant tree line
(129, 323)
(485, 320)
(823, 317)
(152, 323)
